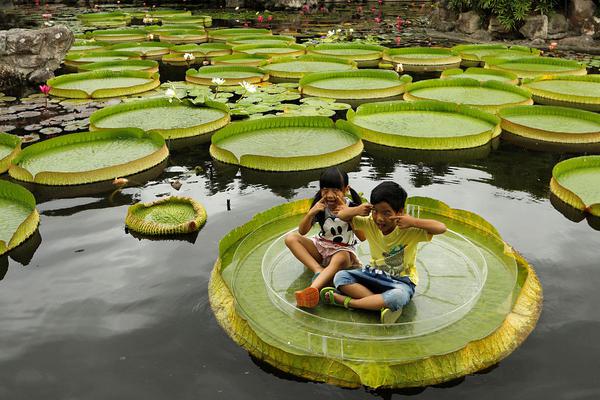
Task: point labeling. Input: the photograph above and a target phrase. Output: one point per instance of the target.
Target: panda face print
(337, 231)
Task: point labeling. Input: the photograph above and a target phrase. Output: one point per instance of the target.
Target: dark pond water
(98, 314)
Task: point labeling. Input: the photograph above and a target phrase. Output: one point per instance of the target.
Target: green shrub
(509, 12)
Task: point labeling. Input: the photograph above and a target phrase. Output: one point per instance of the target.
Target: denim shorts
(396, 291)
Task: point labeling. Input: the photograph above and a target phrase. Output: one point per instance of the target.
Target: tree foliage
(508, 12)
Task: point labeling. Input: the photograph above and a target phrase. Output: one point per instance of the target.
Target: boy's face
(382, 213)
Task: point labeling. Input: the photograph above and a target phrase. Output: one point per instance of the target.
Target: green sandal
(331, 299)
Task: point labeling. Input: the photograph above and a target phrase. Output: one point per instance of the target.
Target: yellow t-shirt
(396, 252)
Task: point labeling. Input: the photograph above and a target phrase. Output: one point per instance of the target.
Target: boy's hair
(391, 193)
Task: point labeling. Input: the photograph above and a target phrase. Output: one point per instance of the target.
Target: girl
(333, 248)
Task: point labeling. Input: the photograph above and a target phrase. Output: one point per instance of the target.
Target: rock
(557, 26)
(583, 42)
(580, 11)
(482, 35)
(468, 22)
(295, 4)
(535, 27)
(496, 29)
(234, 3)
(443, 18)
(33, 54)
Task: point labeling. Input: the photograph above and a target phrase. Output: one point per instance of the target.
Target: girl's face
(332, 196)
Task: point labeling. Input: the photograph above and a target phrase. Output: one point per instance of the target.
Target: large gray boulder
(580, 13)
(468, 22)
(557, 26)
(443, 18)
(33, 54)
(535, 27)
(496, 29)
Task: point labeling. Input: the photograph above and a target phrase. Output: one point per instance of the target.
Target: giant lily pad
(152, 50)
(252, 282)
(481, 74)
(105, 20)
(421, 59)
(89, 157)
(101, 84)
(568, 128)
(10, 146)
(80, 46)
(365, 55)
(355, 86)
(488, 96)
(232, 74)
(250, 60)
(426, 125)
(198, 20)
(576, 181)
(285, 144)
(531, 67)
(75, 60)
(182, 36)
(271, 50)
(205, 50)
(569, 91)
(149, 66)
(167, 216)
(222, 35)
(171, 119)
(119, 35)
(472, 54)
(19, 215)
(295, 68)
(260, 40)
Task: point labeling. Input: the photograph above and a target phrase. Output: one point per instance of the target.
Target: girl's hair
(333, 178)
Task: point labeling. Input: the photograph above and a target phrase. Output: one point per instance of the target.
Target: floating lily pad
(205, 50)
(198, 20)
(172, 120)
(20, 218)
(167, 216)
(250, 297)
(250, 60)
(10, 146)
(365, 55)
(119, 35)
(232, 74)
(565, 127)
(472, 54)
(421, 59)
(151, 50)
(285, 144)
(488, 96)
(425, 125)
(100, 84)
(74, 61)
(105, 20)
(150, 66)
(271, 50)
(89, 157)
(295, 68)
(481, 74)
(355, 86)
(182, 36)
(51, 131)
(260, 39)
(531, 67)
(569, 91)
(82, 46)
(222, 35)
(576, 181)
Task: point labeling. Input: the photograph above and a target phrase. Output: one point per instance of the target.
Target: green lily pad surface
(90, 85)
(423, 125)
(19, 216)
(166, 216)
(481, 74)
(529, 67)
(285, 143)
(570, 91)
(553, 119)
(578, 182)
(452, 307)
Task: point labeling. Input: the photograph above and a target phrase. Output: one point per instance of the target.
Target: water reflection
(573, 214)
(22, 254)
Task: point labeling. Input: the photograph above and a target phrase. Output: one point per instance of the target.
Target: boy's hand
(403, 221)
(364, 209)
(318, 207)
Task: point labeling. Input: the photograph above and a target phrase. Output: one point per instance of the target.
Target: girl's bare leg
(339, 260)
(372, 302)
(305, 251)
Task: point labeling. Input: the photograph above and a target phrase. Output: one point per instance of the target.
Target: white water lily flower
(399, 68)
(338, 31)
(150, 36)
(189, 57)
(351, 30)
(250, 88)
(330, 33)
(218, 81)
(170, 93)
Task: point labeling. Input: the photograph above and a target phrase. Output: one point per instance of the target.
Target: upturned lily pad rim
(30, 224)
(53, 178)
(153, 82)
(102, 15)
(549, 135)
(158, 47)
(475, 356)
(304, 58)
(275, 163)
(546, 96)
(252, 59)
(149, 66)
(168, 134)
(198, 49)
(204, 75)
(576, 68)
(456, 72)
(294, 48)
(404, 56)
(141, 225)
(13, 142)
(416, 142)
(306, 88)
(496, 85)
(224, 34)
(468, 52)
(566, 195)
(240, 40)
(73, 59)
(367, 59)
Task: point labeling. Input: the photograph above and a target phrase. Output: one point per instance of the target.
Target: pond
(90, 311)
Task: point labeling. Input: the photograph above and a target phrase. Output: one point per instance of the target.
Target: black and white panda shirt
(334, 229)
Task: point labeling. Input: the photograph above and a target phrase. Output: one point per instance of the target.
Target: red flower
(270, 18)
(45, 89)
(380, 2)
(377, 19)
(398, 40)
(260, 18)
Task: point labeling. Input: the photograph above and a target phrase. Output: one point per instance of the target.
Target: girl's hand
(318, 207)
(403, 221)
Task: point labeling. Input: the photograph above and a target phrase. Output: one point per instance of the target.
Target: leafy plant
(508, 12)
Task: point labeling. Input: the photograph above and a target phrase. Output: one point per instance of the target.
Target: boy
(388, 284)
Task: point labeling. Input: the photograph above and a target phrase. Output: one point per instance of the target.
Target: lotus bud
(269, 18)
(260, 19)
(45, 89)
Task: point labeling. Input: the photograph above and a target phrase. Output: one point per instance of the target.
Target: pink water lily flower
(45, 89)
(260, 18)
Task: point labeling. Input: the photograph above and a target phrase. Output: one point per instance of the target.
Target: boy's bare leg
(305, 251)
(356, 290)
(339, 260)
(372, 302)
